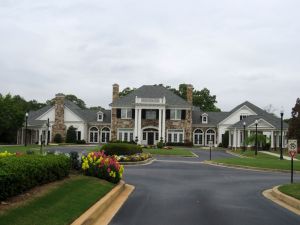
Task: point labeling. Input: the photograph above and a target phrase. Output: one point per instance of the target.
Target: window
(126, 113)
(243, 116)
(125, 134)
(105, 135)
(150, 114)
(99, 116)
(204, 118)
(175, 136)
(175, 114)
(210, 136)
(144, 136)
(78, 135)
(156, 136)
(94, 132)
(198, 137)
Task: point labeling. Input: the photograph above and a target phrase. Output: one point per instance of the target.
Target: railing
(150, 100)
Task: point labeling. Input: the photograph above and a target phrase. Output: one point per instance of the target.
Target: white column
(140, 127)
(22, 136)
(135, 124)
(272, 139)
(249, 134)
(239, 139)
(159, 124)
(229, 134)
(164, 125)
(40, 133)
(234, 138)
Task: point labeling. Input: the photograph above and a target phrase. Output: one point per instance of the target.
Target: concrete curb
(145, 162)
(248, 167)
(283, 200)
(96, 212)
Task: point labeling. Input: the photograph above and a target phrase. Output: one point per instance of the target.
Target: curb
(248, 167)
(94, 213)
(283, 200)
(234, 154)
(145, 162)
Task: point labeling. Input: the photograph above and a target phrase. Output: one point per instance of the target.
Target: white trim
(243, 107)
(199, 134)
(93, 132)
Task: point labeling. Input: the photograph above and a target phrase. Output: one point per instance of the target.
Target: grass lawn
(172, 152)
(20, 148)
(259, 161)
(60, 205)
(291, 189)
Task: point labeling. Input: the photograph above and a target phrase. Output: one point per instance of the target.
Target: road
(181, 191)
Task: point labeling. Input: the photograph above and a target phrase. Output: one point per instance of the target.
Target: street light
(281, 131)
(26, 123)
(244, 124)
(256, 144)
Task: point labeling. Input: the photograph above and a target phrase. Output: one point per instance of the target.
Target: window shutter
(118, 113)
(183, 114)
(157, 114)
(143, 114)
(133, 113)
(168, 113)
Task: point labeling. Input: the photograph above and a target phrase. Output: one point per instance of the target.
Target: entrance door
(150, 138)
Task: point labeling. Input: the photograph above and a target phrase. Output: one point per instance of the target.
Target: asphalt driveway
(185, 191)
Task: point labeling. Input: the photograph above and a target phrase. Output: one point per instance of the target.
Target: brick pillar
(59, 126)
(189, 93)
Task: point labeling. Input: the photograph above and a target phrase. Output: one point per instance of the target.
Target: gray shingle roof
(214, 118)
(151, 91)
(87, 115)
(261, 114)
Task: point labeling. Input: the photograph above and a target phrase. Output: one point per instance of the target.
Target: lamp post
(281, 131)
(244, 124)
(256, 144)
(26, 123)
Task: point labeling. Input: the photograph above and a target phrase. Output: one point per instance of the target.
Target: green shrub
(20, 173)
(74, 158)
(121, 149)
(160, 144)
(71, 135)
(186, 144)
(81, 142)
(57, 138)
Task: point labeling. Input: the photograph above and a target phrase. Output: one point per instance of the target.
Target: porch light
(26, 123)
(256, 144)
(281, 132)
(244, 124)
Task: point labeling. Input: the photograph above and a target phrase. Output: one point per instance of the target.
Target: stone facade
(182, 124)
(59, 126)
(189, 93)
(115, 94)
(148, 123)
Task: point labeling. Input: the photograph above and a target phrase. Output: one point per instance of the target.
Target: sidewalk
(275, 154)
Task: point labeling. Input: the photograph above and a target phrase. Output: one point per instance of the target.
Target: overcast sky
(239, 50)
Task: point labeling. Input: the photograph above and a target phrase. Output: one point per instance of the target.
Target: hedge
(20, 173)
(121, 149)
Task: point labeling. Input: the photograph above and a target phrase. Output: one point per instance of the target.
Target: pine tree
(294, 123)
(71, 135)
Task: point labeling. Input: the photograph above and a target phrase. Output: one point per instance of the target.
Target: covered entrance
(150, 136)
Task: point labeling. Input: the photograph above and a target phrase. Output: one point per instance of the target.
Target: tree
(71, 135)
(12, 115)
(126, 91)
(72, 98)
(294, 123)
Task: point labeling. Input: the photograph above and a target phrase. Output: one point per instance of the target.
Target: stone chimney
(115, 94)
(189, 93)
(59, 126)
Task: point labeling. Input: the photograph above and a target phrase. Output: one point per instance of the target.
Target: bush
(82, 142)
(121, 149)
(160, 144)
(99, 165)
(225, 139)
(57, 138)
(186, 144)
(30, 152)
(20, 173)
(74, 158)
(71, 135)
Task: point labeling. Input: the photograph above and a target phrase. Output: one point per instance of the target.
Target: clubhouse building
(149, 114)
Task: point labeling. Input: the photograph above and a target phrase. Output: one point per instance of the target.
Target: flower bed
(134, 158)
(6, 154)
(19, 173)
(105, 167)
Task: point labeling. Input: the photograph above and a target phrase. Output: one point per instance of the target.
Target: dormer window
(100, 116)
(243, 116)
(204, 118)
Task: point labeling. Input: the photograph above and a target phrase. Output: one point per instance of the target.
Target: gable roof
(87, 115)
(151, 91)
(214, 118)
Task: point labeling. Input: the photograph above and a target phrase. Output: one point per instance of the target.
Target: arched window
(105, 135)
(210, 136)
(198, 137)
(94, 132)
